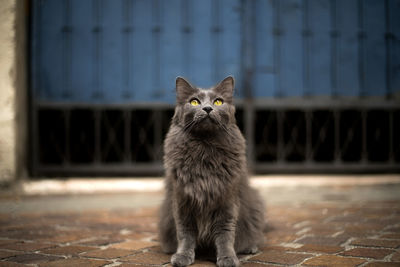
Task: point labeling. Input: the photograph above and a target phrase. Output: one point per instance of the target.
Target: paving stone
(7, 253)
(276, 238)
(26, 246)
(135, 265)
(11, 264)
(8, 241)
(23, 235)
(396, 257)
(332, 260)
(280, 257)
(148, 258)
(66, 238)
(110, 253)
(75, 263)
(323, 230)
(156, 249)
(395, 229)
(32, 258)
(322, 240)
(279, 248)
(201, 263)
(391, 236)
(67, 250)
(131, 237)
(361, 230)
(320, 249)
(351, 218)
(367, 242)
(383, 264)
(102, 241)
(134, 245)
(368, 253)
(252, 264)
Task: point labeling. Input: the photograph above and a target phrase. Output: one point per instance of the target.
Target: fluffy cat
(209, 204)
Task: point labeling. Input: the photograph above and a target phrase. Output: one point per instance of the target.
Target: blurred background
(87, 87)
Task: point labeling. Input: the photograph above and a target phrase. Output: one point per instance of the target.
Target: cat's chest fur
(205, 170)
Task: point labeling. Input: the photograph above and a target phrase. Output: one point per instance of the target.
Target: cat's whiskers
(189, 126)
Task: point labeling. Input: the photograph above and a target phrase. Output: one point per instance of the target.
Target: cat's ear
(225, 88)
(183, 90)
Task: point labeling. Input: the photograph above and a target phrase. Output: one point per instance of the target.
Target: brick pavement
(326, 233)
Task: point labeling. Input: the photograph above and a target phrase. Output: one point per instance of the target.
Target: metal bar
(280, 131)
(66, 51)
(248, 32)
(103, 169)
(127, 135)
(127, 47)
(97, 136)
(275, 103)
(334, 38)
(248, 57)
(249, 114)
(157, 118)
(277, 48)
(338, 156)
(187, 29)
(306, 49)
(309, 152)
(98, 49)
(34, 92)
(391, 136)
(156, 31)
(152, 169)
(361, 48)
(364, 149)
(388, 44)
(67, 124)
(322, 103)
(326, 168)
(216, 40)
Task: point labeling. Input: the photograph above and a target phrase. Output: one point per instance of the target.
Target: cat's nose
(207, 109)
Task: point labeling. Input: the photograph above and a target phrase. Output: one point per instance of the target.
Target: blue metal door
(124, 51)
(330, 48)
(318, 81)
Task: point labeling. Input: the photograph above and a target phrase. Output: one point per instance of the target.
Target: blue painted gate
(122, 51)
(108, 51)
(100, 60)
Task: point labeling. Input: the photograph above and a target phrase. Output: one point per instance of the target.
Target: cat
(208, 201)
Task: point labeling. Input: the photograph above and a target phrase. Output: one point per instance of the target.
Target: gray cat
(209, 203)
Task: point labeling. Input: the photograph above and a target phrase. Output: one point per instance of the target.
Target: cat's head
(199, 110)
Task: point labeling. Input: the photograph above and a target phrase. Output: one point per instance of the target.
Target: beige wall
(12, 90)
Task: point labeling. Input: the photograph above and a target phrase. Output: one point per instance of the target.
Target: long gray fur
(208, 203)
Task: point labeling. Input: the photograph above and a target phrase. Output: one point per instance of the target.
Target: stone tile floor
(340, 225)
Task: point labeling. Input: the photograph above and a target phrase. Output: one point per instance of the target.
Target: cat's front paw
(228, 261)
(181, 260)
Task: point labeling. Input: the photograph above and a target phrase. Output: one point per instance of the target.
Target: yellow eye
(194, 102)
(218, 102)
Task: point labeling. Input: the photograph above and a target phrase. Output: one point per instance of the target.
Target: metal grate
(128, 141)
(326, 140)
(100, 141)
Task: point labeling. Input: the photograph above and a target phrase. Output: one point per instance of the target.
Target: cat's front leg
(224, 242)
(184, 255)
(186, 235)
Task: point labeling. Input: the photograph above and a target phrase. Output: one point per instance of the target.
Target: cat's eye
(218, 102)
(194, 102)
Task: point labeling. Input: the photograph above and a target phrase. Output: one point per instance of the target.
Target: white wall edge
(115, 185)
